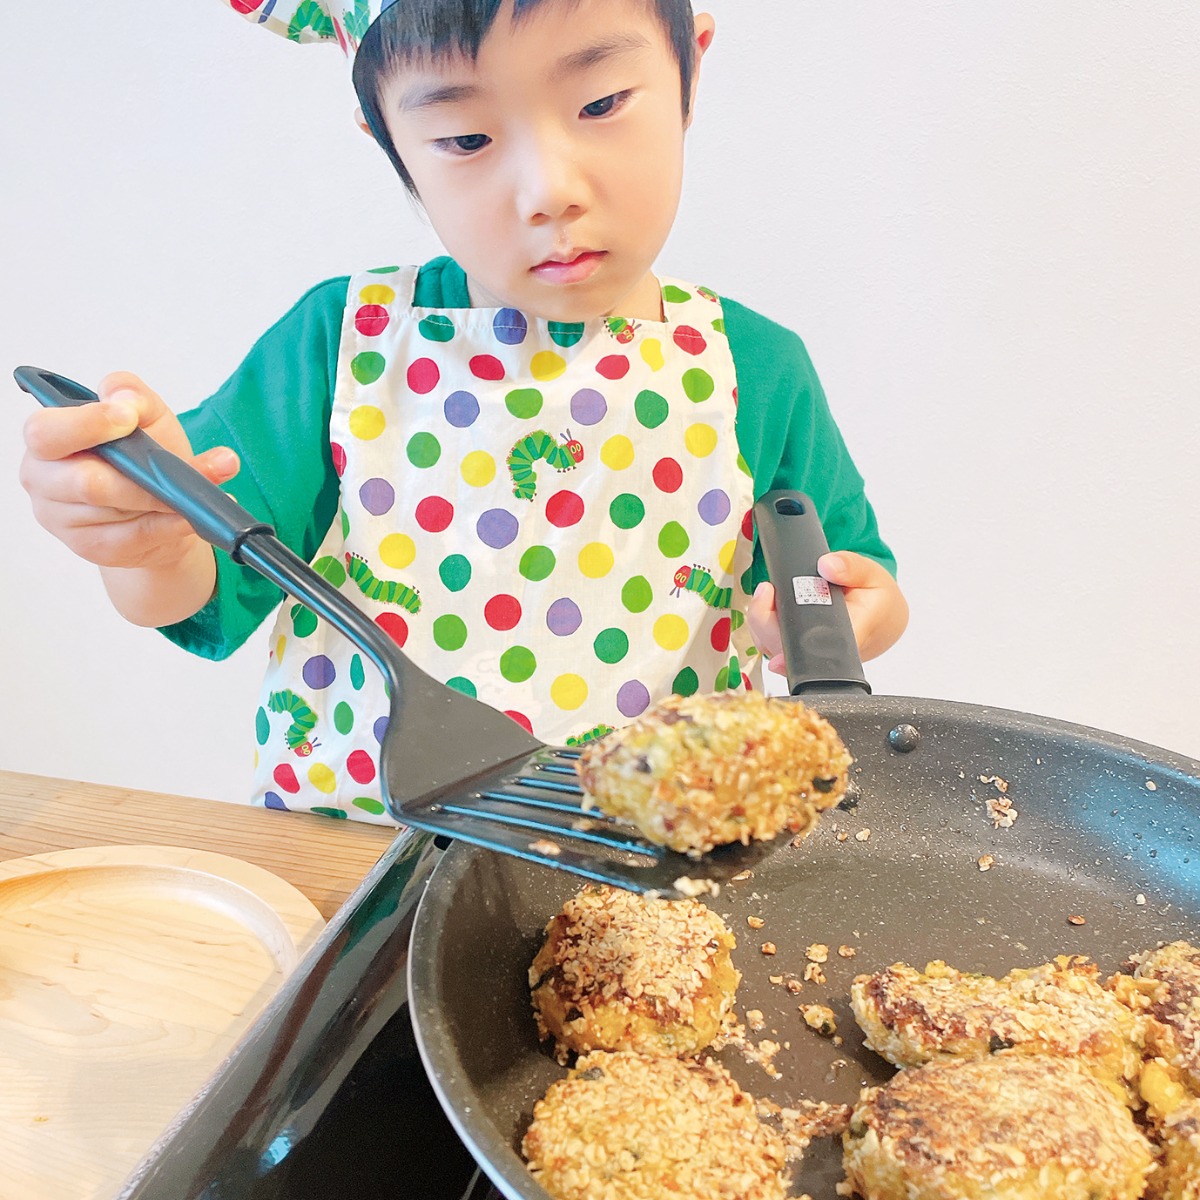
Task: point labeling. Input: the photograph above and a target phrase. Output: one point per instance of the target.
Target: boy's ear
(361, 122)
(706, 29)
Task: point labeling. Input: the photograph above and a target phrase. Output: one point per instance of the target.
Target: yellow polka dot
(617, 453)
(397, 550)
(595, 560)
(652, 354)
(367, 422)
(547, 365)
(700, 439)
(322, 778)
(569, 692)
(377, 293)
(280, 646)
(479, 468)
(256, 760)
(671, 632)
(725, 558)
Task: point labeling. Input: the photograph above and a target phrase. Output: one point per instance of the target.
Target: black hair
(417, 29)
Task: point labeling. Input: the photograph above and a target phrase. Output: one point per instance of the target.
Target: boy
(533, 460)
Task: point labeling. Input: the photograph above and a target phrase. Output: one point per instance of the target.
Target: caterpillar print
(698, 580)
(310, 15)
(386, 591)
(536, 446)
(592, 735)
(304, 720)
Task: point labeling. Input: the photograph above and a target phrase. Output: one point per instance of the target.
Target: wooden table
(325, 859)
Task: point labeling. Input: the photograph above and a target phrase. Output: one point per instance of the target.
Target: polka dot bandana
(341, 21)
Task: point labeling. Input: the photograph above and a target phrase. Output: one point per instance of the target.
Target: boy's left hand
(877, 608)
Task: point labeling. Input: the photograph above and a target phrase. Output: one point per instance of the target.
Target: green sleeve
(274, 412)
(788, 437)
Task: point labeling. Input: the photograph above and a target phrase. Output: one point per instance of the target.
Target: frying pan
(1098, 862)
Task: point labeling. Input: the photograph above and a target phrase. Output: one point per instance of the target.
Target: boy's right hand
(156, 568)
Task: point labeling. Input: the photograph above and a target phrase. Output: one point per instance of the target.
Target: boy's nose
(550, 180)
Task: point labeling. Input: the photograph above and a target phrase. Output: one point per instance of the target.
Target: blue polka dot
(274, 800)
(319, 671)
(379, 729)
(462, 409)
(510, 327)
(588, 407)
(497, 528)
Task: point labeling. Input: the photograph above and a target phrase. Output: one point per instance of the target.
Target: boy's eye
(470, 143)
(605, 107)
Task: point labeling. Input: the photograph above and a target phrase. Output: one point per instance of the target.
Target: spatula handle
(818, 639)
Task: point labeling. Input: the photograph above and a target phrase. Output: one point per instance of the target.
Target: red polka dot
(245, 6)
(748, 525)
(520, 718)
(564, 509)
(423, 376)
(735, 397)
(613, 366)
(690, 340)
(746, 682)
(434, 514)
(394, 625)
(668, 475)
(286, 778)
(371, 320)
(360, 766)
(720, 635)
(502, 612)
(486, 366)
(339, 459)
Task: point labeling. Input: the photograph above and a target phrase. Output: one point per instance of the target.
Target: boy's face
(551, 166)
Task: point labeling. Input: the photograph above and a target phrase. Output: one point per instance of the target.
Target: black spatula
(448, 763)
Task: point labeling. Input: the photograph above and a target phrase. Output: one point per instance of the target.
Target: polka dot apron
(551, 517)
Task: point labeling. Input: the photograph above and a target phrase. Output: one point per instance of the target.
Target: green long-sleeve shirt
(274, 412)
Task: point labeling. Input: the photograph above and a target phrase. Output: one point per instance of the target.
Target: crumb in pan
(696, 772)
(1009, 1127)
(638, 1127)
(619, 971)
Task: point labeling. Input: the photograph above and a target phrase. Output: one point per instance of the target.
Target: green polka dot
(707, 293)
(735, 672)
(455, 572)
(537, 563)
(517, 664)
(331, 568)
(368, 805)
(368, 366)
(637, 594)
(744, 467)
(343, 717)
(673, 540)
(722, 680)
(336, 813)
(697, 385)
(566, 333)
(611, 645)
(345, 525)
(737, 619)
(262, 726)
(436, 328)
(383, 270)
(650, 409)
(747, 581)
(627, 511)
(687, 683)
(358, 676)
(524, 403)
(304, 621)
(675, 295)
(423, 450)
(719, 324)
(450, 632)
(459, 684)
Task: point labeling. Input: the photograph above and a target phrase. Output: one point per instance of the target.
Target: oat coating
(695, 772)
(1170, 981)
(618, 971)
(1060, 1008)
(1178, 1177)
(638, 1127)
(1009, 1127)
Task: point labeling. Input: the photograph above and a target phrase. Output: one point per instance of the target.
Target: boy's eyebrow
(610, 47)
(431, 95)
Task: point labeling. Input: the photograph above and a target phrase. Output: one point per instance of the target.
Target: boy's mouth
(572, 267)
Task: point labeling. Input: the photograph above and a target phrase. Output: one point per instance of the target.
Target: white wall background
(983, 219)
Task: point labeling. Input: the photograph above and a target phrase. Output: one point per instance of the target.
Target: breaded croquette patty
(1009, 1127)
(1178, 1177)
(913, 1017)
(618, 971)
(695, 772)
(1173, 1031)
(638, 1127)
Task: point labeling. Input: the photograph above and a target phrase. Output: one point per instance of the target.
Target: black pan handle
(818, 639)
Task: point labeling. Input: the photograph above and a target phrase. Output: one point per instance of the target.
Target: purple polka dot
(319, 672)
(510, 327)
(377, 496)
(714, 507)
(563, 617)
(588, 407)
(633, 699)
(497, 528)
(379, 729)
(462, 409)
(274, 800)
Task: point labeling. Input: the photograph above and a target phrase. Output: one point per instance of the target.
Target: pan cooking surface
(1101, 821)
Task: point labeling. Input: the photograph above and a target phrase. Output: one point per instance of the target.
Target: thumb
(218, 465)
(847, 569)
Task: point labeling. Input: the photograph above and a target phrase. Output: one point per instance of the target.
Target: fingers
(763, 619)
(850, 570)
